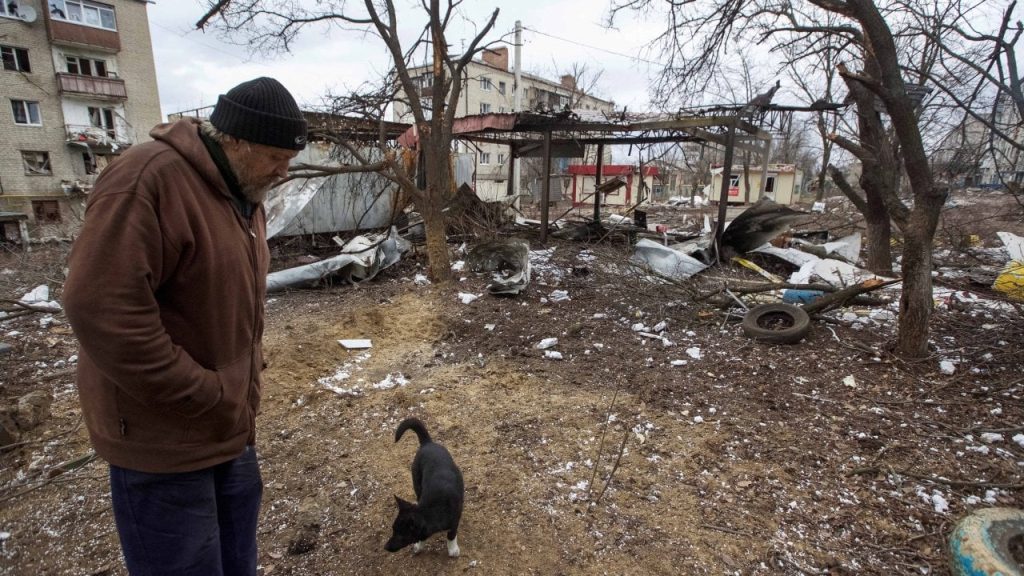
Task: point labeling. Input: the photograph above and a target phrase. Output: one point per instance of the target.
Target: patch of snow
(391, 381)
(991, 437)
(947, 367)
(421, 280)
(552, 355)
(683, 363)
(559, 296)
(693, 352)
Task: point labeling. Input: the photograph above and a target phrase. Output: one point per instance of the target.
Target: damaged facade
(489, 88)
(79, 87)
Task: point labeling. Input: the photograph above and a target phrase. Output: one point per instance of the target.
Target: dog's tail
(416, 426)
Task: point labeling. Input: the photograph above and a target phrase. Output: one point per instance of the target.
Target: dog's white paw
(417, 547)
(453, 548)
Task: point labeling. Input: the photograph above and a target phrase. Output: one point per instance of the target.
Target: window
(46, 211)
(84, 12)
(15, 59)
(769, 184)
(485, 84)
(26, 112)
(501, 87)
(36, 163)
(102, 118)
(485, 157)
(86, 66)
(501, 158)
(427, 80)
(485, 108)
(501, 109)
(9, 8)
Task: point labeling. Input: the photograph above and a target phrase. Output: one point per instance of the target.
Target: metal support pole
(723, 197)
(545, 194)
(597, 182)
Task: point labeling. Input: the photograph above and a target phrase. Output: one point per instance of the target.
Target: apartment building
(79, 87)
(488, 88)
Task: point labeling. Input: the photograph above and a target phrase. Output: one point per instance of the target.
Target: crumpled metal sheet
(666, 261)
(509, 260)
(361, 259)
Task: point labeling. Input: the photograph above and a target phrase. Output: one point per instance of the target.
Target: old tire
(776, 323)
(984, 542)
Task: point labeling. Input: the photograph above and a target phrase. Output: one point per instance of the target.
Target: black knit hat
(261, 111)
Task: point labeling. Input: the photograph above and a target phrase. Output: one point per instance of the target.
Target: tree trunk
(437, 244)
(876, 183)
(878, 247)
(916, 300)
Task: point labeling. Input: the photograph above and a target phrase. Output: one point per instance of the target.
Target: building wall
(787, 181)
(130, 59)
(492, 159)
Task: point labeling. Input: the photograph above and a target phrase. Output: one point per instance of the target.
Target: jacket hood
(183, 136)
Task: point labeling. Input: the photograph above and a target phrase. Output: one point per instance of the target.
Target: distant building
(782, 185)
(79, 87)
(488, 88)
(968, 157)
(631, 192)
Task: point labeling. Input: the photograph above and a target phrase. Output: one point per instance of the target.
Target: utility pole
(517, 102)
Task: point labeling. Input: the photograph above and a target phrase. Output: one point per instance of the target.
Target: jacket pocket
(229, 417)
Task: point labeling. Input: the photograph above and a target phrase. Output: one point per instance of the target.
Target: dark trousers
(201, 522)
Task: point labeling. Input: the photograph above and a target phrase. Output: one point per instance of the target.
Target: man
(165, 293)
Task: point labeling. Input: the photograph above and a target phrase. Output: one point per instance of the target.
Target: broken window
(89, 161)
(102, 118)
(769, 184)
(36, 163)
(26, 112)
(84, 12)
(46, 211)
(10, 8)
(15, 59)
(86, 66)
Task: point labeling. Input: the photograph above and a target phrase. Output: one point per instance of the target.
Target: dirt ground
(703, 453)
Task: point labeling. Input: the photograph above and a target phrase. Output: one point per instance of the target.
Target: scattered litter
(467, 298)
(694, 353)
(683, 363)
(552, 355)
(356, 343)
(421, 280)
(489, 327)
(850, 381)
(559, 296)
(546, 343)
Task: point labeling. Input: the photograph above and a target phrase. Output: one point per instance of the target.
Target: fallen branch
(840, 298)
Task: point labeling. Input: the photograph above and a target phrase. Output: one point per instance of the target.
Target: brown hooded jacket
(165, 293)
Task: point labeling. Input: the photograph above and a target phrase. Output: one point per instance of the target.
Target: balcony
(101, 87)
(98, 139)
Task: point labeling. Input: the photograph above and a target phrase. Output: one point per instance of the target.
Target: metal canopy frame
(530, 131)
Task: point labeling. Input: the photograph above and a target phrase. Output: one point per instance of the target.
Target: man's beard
(255, 192)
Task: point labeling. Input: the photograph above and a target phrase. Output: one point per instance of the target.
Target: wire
(637, 58)
(179, 34)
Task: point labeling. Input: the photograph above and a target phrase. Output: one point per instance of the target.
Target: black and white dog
(439, 495)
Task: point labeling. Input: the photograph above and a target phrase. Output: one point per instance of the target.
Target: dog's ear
(402, 504)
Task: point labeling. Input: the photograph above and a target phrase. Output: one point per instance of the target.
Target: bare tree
(272, 26)
(874, 42)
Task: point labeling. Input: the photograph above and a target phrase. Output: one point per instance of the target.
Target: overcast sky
(194, 67)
